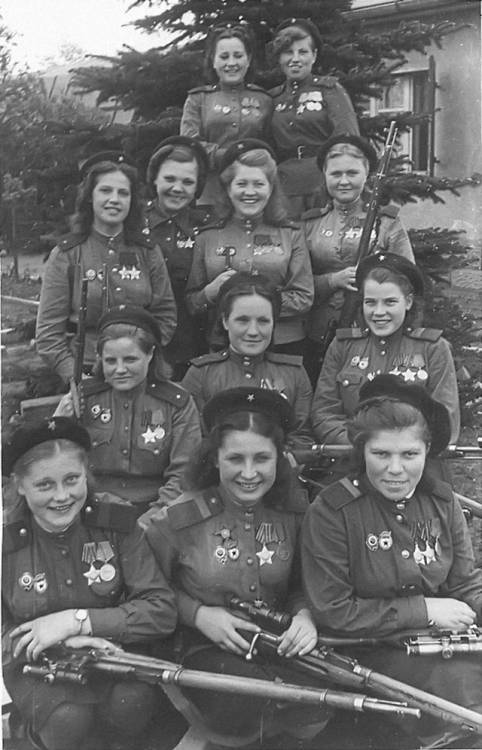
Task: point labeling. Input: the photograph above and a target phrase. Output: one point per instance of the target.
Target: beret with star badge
(262, 400)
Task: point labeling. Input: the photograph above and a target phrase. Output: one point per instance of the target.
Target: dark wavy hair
(158, 367)
(227, 31)
(275, 212)
(203, 472)
(384, 413)
(294, 33)
(382, 275)
(82, 220)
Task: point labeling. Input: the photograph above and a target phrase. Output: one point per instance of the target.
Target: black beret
(238, 148)
(266, 401)
(302, 23)
(131, 315)
(395, 263)
(164, 149)
(394, 388)
(354, 140)
(116, 157)
(26, 433)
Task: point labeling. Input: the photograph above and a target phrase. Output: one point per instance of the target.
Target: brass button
(405, 554)
(399, 517)
(252, 587)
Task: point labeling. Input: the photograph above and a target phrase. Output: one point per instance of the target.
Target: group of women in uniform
(194, 499)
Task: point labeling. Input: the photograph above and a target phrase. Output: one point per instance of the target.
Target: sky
(96, 26)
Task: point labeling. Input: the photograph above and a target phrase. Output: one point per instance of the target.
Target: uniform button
(405, 554)
(248, 375)
(64, 552)
(68, 581)
(126, 404)
(168, 239)
(118, 289)
(23, 532)
(412, 587)
(383, 352)
(399, 517)
(249, 561)
(111, 252)
(126, 429)
(355, 483)
(252, 587)
(400, 506)
(247, 527)
(382, 342)
(88, 509)
(125, 451)
(346, 382)
(95, 443)
(156, 451)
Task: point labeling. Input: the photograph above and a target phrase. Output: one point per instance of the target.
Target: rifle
(445, 643)
(75, 665)
(76, 380)
(350, 303)
(323, 661)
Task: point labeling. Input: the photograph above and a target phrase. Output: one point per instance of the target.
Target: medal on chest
(33, 582)
(426, 536)
(226, 546)
(273, 385)
(382, 541)
(184, 243)
(101, 573)
(103, 414)
(312, 101)
(265, 245)
(155, 431)
(250, 106)
(269, 533)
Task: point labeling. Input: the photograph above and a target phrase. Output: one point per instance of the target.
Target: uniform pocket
(347, 378)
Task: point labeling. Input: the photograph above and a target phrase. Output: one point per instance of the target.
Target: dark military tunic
(212, 373)
(332, 237)
(420, 356)
(175, 236)
(368, 563)
(278, 252)
(102, 563)
(136, 275)
(306, 113)
(142, 440)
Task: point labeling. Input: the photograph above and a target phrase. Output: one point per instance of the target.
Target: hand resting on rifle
(300, 638)
(92, 641)
(450, 614)
(221, 627)
(344, 279)
(37, 635)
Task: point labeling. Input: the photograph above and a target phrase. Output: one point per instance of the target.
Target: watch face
(81, 614)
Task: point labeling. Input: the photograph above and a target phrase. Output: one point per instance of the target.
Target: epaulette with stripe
(255, 87)
(17, 530)
(435, 486)
(328, 81)
(216, 224)
(71, 240)
(316, 213)
(168, 391)
(341, 493)
(209, 359)
(192, 508)
(91, 386)
(343, 334)
(207, 88)
(108, 511)
(284, 359)
(424, 334)
(390, 210)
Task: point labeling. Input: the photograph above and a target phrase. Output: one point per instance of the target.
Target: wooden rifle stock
(76, 380)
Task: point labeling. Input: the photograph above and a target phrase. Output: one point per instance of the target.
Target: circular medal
(220, 554)
(233, 553)
(372, 542)
(26, 581)
(225, 533)
(283, 552)
(226, 110)
(107, 572)
(40, 583)
(106, 416)
(90, 275)
(422, 375)
(385, 540)
(95, 410)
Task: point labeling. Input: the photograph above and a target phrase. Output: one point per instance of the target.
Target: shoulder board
(277, 90)
(110, 512)
(328, 81)
(208, 359)
(390, 210)
(255, 87)
(285, 359)
(142, 239)
(17, 532)
(194, 507)
(207, 89)
(216, 224)
(167, 391)
(70, 241)
(202, 213)
(342, 334)
(90, 386)
(341, 493)
(437, 486)
(424, 334)
(316, 213)
(289, 224)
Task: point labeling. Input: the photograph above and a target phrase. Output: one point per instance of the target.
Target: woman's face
(250, 324)
(345, 177)
(231, 61)
(247, 465)
(124, 363)
(176, 184)
(297, 61)
(395, 460)
(111, 202)
(55, 489)
(249, 191)
(384, 307)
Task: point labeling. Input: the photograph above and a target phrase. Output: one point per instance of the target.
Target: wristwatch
(81, 616)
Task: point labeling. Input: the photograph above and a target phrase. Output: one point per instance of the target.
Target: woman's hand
(211, 290)
(221, 627)
(65, 407)
(92, 641)
(301, 636)
(37, 635)
(344, 279)
(450, 614)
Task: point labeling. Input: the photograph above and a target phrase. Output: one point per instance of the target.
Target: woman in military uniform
(75, 569)
(229, 107)
(392, 289)
(254, 235)
(107, 241)
(247, 311)
(235, 534)
(387, 549)
(176, 175)
(333, 235)
(143, 427)
(308, 109)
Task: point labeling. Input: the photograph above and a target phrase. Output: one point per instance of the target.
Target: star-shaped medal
(149, 436)
(265, 556)
(92, 575)
(124, 273)
(135, 273)
(189, 243)
(409, 375)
